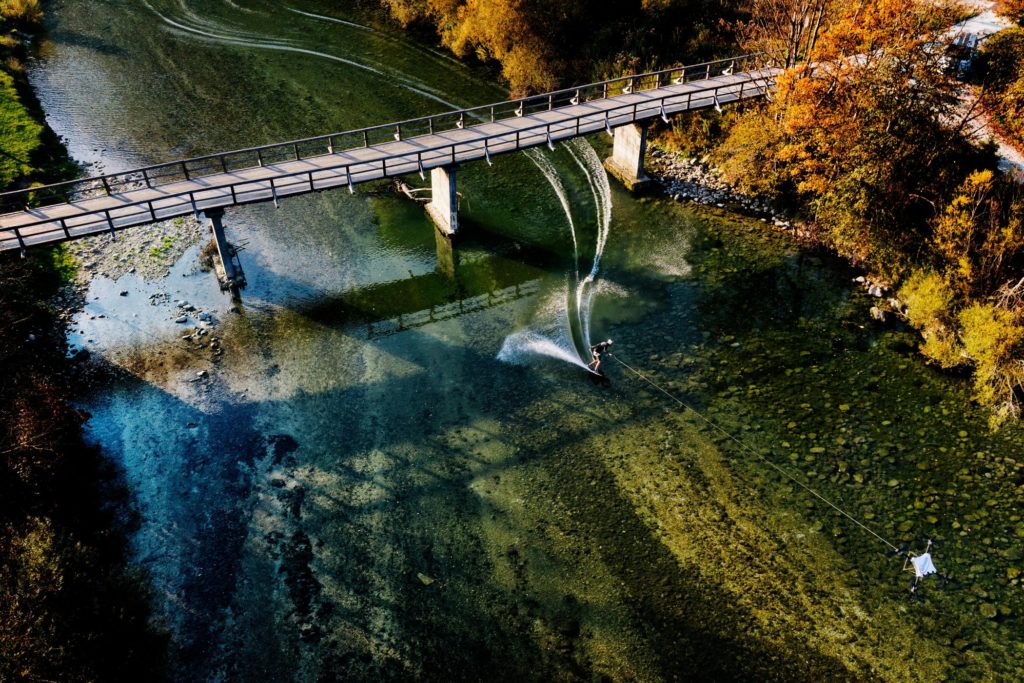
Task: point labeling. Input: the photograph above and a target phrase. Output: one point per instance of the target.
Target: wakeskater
(596, 351)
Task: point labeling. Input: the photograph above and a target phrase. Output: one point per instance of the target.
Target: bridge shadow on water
(315, 511)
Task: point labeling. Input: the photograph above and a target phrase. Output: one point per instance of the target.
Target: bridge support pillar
(229, 271)
(447, 255)
(627, 160)
(444, 201)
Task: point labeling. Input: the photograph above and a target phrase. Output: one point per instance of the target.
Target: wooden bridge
(209, 184)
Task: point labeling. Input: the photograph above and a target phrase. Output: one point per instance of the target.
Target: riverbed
(337, 478)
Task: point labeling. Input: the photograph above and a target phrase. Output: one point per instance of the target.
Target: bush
(979, 237)
(748, 156)
(929, 304)
(994, 340)
(21, 11)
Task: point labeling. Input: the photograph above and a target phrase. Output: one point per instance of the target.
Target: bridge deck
(341, 168)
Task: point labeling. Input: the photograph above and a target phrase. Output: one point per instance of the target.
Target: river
(349, 484)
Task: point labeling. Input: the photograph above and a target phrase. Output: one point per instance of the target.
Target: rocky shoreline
(689, 179)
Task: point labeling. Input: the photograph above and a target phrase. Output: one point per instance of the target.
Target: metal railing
(293, 150)
(349, 172)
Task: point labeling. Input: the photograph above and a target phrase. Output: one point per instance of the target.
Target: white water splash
(586, 158)
(552, 333)
(549, 171)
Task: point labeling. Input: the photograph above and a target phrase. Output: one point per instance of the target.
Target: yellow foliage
(28, 11)
(929, 301)
(929, 304)
(978, 234)
(993, 338)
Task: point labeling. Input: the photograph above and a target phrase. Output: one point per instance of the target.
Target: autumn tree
(865, 137)
(540, 44)
(788, 30)
(980, 235)
(1014, 9)
(1001, 66)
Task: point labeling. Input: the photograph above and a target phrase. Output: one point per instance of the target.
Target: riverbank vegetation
(69, 608)
(541, 44)
(874, 154)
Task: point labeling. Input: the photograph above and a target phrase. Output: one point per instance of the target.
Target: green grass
(20, 135)
(161, 250)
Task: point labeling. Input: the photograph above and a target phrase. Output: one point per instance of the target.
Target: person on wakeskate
(595, 355)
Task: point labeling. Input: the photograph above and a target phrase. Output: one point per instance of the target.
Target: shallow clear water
(358, 488)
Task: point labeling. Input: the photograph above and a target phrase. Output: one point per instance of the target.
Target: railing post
(21, 241)
(152, 215)
(223, 163)
(551, 102)
(145, 176)
(492, 114)
(742, 83)
(330, 144)
(296, 148)
(604, 91)
(64, 227)
(273, 193)
(707, 74)
(184, 170)
(234, 197)
(259, 157)
(366, 139)
(106, 185)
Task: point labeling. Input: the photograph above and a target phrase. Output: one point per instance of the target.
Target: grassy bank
(69, 608)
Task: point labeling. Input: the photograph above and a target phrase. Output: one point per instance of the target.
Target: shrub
(979, 236)
(21, 11)
(993, 338)
(930, 309)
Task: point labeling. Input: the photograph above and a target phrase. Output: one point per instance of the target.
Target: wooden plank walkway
(468, 141)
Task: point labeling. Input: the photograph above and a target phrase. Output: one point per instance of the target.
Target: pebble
(181, 319)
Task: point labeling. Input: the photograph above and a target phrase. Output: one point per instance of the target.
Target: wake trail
(246, 40)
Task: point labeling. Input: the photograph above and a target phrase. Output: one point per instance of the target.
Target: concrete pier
(229, 273)
(447, 255)
(444, 201)
(627, 160)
